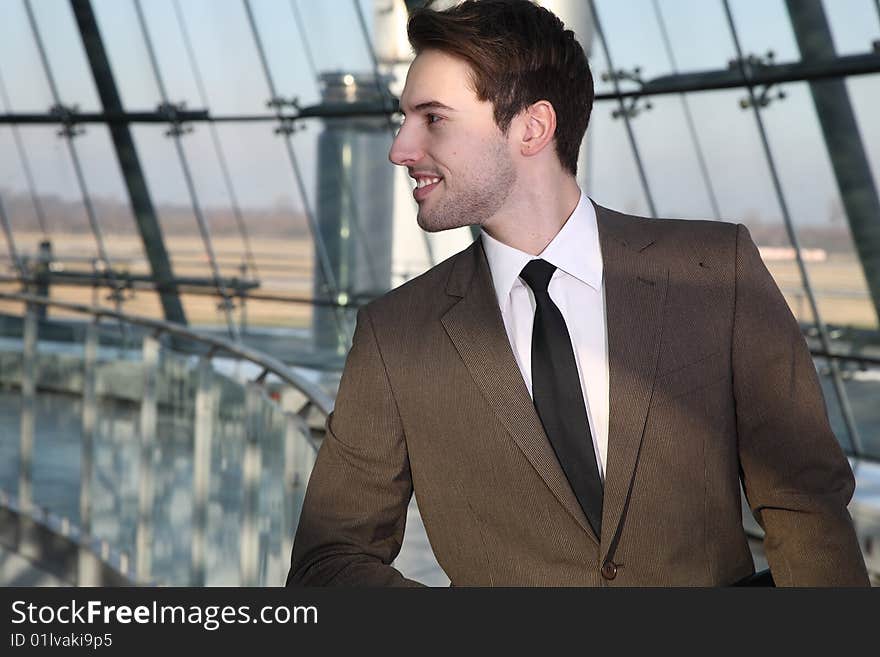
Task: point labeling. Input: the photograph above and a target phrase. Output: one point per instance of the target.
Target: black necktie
(556, 389)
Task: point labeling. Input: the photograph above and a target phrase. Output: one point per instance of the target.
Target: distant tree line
(116, 217)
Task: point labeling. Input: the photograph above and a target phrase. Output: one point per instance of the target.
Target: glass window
(855, 25)
(22, 71)
(14, 192)
(670, 157)
(610, 174)
(764, 26)
(128, 54)
(833, 266)
(226, 56)
(67, 59)
(863, 94)
(165, 34)
(698, 33)
(292, 61)
(324, 23)
(271, 205)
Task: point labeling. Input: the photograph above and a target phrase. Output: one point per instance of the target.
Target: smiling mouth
(424, 186)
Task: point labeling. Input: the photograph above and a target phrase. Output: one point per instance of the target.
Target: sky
(235, 83)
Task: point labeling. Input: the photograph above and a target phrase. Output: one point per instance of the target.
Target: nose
(405, 149)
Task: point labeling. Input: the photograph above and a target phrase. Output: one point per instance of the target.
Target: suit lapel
(475, 326)
(635, 292)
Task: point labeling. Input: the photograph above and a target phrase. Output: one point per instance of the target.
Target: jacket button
(609, 570)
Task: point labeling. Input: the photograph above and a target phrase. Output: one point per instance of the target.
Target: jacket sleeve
(353, 517)
(797, 480)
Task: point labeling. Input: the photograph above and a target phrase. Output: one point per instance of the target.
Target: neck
(531, 219)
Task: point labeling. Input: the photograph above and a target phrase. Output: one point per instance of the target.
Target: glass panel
(20, 66)
(736, 163)
(271, 206)
(334, 35)
(110, 199)
(612, 178)
(863, 391)
(855, 25)
(862, 386)
(14, 192)
(607, 168)
(165, 180)
(214, 199)
(163, 30)
(283, 454)
(224, 50)
(698, 32)
(290, 59)
(833, 267)
(602, 83)
(764, 26)
(671, 160)
(863, 96)
(67, 59)
(634, 37)
(128, 55)
(71, 239)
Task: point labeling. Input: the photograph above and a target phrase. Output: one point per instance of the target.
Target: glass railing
(176, 458)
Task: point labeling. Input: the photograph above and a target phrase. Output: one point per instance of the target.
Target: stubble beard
(478, 196)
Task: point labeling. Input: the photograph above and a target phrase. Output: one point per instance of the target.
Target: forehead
(436, 76)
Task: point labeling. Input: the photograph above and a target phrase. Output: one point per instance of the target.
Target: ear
(538, 127)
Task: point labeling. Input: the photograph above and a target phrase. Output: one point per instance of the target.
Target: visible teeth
(424, 182)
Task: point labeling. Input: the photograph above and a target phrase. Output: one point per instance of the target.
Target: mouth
(424, 186)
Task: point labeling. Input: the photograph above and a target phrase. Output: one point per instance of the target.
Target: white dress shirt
(578, 291)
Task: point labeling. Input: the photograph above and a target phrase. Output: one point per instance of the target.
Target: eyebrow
(429, 105)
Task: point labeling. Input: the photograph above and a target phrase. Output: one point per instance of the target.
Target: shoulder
(688, 229)
(675, 239)
(422, 293)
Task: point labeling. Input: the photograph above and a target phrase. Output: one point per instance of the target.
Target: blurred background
(195, 198)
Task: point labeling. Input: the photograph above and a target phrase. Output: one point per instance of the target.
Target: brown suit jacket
(711, 384)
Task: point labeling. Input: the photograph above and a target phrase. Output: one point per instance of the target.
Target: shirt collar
(575, 250)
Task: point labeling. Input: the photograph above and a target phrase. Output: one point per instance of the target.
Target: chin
(438, 224)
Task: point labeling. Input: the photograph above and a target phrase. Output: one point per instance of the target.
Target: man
(576, 397)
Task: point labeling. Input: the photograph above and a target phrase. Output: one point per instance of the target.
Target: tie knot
(537, 275)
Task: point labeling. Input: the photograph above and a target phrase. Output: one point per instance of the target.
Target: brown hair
(519, 53)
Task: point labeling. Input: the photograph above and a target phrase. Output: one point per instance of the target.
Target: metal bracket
(764, 94)
(632, 106)
(278, 103)
(66, 115)
(260, 380)
(287, 124)
(225, 303)
(171, 111)
(122, 293)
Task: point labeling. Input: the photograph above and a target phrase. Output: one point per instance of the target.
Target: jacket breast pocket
(690, 377)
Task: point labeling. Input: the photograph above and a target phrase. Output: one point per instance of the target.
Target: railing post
(144, 541)
(251, 466)
(299, 457)
(204, 428)
(86, 573)
(28, 395)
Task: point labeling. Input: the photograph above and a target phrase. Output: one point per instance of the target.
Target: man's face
(451, 146)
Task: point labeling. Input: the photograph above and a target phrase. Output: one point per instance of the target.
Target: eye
(430, 119)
